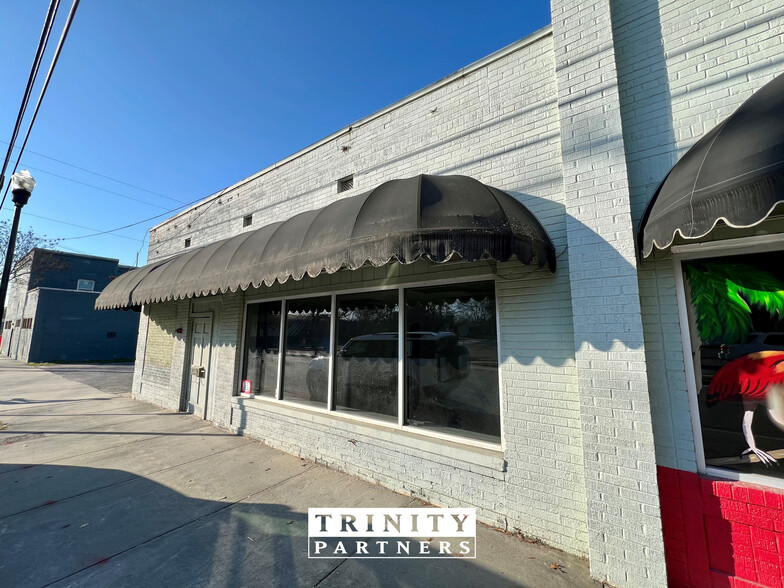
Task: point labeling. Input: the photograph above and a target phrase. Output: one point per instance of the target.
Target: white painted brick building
(579, 122)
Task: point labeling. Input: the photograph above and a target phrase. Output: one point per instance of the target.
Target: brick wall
(25, 307)
(580, 124)
(719, 533)
(158, 377)
(141, 351)
(15, 310)
(682, 69)
(624, 528)
(498, 122)
(535, 488)
(495, 121)
(160, 336)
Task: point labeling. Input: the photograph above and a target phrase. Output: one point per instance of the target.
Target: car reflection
(366, 368)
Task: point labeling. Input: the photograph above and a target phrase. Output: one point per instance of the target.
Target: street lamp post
(22, 184)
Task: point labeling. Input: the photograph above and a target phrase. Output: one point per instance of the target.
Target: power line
(38, 169)
(74, 250)
(84, 169)
(125, 226)
(112, 231)
(146, 233)
(55, 58)
(147, 219)
(39, 53)
(62, 222)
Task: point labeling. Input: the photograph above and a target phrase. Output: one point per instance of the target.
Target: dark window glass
(452, 359)
(736, 303)
(346, 183)
(306, 359)
(262, 346)
(367, 360)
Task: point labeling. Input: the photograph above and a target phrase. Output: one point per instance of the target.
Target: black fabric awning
(425, 216)
(734, 174)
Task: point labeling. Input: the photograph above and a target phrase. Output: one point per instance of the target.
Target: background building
(51, 315)
(592, 431)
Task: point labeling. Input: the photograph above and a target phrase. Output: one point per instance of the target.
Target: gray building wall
(66, 327)
(64, 324)
(63, 270)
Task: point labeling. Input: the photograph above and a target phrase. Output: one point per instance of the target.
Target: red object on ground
(721, 533)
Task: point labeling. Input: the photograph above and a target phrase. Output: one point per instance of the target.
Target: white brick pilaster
(624, 524)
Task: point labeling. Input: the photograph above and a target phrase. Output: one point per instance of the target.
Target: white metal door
(200, 366)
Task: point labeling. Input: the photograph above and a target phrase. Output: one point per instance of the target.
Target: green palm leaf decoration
(723, 294)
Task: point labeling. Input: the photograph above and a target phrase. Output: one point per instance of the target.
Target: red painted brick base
(719, 533)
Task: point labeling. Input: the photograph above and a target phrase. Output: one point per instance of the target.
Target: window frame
(80, 280)
(708, 250)
(343, 182)
(329, 410)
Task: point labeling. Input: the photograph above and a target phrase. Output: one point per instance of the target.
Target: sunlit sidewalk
(102, 490)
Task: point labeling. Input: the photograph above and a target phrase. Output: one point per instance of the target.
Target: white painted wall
(683, 68)
(496, 121)
(580, 122)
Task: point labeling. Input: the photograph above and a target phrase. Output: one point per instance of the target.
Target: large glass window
(450, 363)
(262, 346)
(306, 358)
(737, 316)
(452, 359)
(366, 362)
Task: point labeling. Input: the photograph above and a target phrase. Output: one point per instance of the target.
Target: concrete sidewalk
(102, 490)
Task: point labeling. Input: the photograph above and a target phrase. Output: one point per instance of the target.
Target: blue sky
(178, 99)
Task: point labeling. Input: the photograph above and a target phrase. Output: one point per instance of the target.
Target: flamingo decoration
(756, 379)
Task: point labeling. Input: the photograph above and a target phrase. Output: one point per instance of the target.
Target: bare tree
(26, 241)
(36, 264)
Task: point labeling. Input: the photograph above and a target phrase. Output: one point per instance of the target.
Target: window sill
(732, 475)
(477, 453)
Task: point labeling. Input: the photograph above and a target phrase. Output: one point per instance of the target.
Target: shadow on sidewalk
(23, 401)
(131, 532)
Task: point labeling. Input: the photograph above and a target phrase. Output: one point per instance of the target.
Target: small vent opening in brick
(247, 220)
(346, 183)
(111, 334)
(187, 242)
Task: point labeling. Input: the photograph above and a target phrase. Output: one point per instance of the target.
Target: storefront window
(452, 359)
(306, 358)
(262, 346)
(737, 317)
(450, 363)
(366, 362)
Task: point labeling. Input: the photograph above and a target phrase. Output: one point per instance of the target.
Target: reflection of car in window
(434, 360)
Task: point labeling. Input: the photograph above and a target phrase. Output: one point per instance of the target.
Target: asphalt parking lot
(112, 378)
